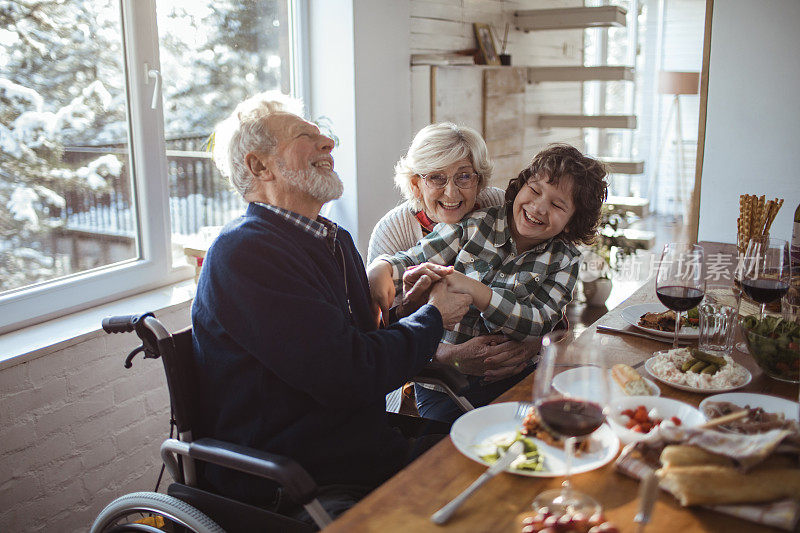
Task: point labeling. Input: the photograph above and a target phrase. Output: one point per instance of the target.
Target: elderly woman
(443, 178)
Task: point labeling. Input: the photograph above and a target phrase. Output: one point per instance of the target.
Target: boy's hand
(461, 283)
(417, 284)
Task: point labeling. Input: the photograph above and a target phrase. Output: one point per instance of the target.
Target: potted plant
(605, 256)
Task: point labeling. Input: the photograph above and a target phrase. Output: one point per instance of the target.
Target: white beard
(323, 185)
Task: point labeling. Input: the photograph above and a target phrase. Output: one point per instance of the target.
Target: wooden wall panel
(458, 95)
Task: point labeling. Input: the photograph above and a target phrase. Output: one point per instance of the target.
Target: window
(106, 108)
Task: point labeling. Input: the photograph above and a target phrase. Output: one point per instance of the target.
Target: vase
(597, 291)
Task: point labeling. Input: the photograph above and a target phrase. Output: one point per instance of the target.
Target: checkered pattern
(529, 290)
(321, 228)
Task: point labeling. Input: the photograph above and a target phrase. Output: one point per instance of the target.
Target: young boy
(518, 261)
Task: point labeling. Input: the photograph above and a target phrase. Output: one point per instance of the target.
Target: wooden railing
(198, 195)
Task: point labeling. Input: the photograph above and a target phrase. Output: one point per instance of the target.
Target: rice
(667, 366)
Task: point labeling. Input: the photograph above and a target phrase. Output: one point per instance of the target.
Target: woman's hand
(494, 357)
(381, 288)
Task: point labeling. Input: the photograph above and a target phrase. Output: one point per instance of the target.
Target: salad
(775, 345)
(495, 447)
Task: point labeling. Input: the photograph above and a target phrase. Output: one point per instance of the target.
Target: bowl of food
(774, 343)
(634, 418)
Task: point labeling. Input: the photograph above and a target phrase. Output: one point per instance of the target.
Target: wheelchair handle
(123, 323)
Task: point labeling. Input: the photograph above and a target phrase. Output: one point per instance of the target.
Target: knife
(443, 515)
(607, 329)
(647, 497)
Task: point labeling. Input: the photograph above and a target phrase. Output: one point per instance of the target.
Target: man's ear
(257, 166)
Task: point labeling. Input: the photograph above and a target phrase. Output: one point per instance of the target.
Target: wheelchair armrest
(436, 373)
(294, 479)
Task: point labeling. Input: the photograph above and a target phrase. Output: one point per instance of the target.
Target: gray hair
(245, 130)
(438, 146)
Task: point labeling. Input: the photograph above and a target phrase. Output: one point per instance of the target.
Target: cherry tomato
(675, 420)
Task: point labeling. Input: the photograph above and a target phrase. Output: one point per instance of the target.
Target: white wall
(360, 78)
(753, 121)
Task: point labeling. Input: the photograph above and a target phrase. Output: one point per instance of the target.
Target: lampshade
(678, 82)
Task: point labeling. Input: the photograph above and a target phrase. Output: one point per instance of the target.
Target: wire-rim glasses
(462, 180)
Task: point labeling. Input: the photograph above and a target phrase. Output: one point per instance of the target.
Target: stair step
(582, 121)
(539, 74)
(640, 238)
(569, 18)
(623, 166)
(628, 204)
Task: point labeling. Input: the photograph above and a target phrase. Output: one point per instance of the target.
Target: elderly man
(285, 339)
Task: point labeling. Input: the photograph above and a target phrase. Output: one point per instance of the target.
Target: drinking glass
(766, 270)
(680, 283)
(573, 415)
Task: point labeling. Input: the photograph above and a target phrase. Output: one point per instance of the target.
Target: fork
(523, 408)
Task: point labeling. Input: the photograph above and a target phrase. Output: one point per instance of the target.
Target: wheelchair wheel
(128, 508)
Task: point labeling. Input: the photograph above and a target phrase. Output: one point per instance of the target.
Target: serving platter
(770, 404)
(648, 365)
(633, 313)
(473, 431)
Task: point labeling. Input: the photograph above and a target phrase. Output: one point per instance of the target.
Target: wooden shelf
(539, 74)
(582, 121)
(569, 18)
(623, 166)
(628, 204)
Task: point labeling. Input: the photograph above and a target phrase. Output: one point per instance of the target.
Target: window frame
(147, 161)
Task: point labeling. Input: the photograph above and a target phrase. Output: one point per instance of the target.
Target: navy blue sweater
(286, 367)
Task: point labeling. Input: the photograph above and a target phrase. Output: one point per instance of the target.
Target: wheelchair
(185, 506)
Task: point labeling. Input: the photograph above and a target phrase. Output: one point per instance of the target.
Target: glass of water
(717, 325)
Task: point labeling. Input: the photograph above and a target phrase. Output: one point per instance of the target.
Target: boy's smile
(541, 211)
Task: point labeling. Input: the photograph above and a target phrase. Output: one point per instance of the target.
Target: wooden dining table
(406, 501)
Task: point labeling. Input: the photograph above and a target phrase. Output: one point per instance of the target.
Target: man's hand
(451, 305)
(417, 284)
(381, 288)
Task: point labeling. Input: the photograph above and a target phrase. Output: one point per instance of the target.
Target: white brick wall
(79, 430)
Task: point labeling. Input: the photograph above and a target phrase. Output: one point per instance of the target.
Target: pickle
(698, 367)
(688, 364)
(710, 369)
(707, 357)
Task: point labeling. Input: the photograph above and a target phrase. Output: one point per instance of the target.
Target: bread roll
(630, 381)
(716, 485)
(684, 455)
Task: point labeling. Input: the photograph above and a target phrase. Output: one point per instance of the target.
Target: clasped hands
(494, 357)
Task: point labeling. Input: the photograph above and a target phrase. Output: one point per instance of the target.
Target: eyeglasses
(463, 180)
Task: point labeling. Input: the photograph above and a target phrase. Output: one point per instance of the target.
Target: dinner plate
(472, 431)
(570, 382)
(770, 404)
(648, 365)
(633, 313)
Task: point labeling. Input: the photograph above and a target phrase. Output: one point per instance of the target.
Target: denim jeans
(438, 405)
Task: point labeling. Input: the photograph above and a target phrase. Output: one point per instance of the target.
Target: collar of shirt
(501, 233)
(321, 228)
(428, 224)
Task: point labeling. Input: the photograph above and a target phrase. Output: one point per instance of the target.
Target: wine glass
(573, 414)
(680, 283)
(766, 271)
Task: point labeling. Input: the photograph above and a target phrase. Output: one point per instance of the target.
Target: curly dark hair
(589, 187)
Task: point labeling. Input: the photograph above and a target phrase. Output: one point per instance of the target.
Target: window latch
(154, 74)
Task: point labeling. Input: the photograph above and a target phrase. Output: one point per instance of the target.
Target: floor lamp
(676, 84)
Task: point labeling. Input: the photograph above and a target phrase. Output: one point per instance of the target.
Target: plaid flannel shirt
(529, 290)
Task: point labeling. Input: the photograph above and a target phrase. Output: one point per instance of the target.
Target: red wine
(571, 418)
(679, 298)
(764, 291)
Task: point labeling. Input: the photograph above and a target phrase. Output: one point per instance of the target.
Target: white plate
(770, 404)
(664, 408)
(648, 365)
(570, 382)
(633, 313)
(473, 428)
